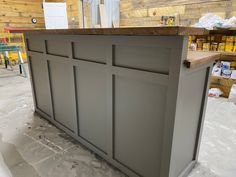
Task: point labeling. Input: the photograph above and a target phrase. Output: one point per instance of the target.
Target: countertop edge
(199, 58)
(130, 31)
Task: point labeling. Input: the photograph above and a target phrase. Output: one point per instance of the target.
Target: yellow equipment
(14, 39)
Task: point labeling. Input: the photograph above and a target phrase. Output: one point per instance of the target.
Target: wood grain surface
(230, 31)
(149, 12)
(131, 31)
(197, 58)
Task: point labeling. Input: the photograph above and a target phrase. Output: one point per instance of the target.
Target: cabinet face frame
(175, 52)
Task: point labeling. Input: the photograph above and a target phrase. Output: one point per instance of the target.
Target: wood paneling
(18, 13)
(74, 12)
(88, 15)
(149, 12)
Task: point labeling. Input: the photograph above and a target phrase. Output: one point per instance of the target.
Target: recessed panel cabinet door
(41, 83)
(63, 94)
(92, 96)
(139, 112)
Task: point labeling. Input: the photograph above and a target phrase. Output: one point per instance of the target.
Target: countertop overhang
(128, 31)
(198, 58)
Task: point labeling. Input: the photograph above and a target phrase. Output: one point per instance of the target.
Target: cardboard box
(223, 83)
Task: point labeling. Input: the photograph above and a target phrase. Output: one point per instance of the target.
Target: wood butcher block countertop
(198, 58)
(130, 31)
(229, 31)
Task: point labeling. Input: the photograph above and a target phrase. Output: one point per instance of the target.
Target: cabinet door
(40, 80)
(63, 94)
(91, 89)
(139, 111)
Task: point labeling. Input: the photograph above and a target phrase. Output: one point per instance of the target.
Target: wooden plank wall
(18, 13)
(88, 14)
(74, 13)
(149, 12)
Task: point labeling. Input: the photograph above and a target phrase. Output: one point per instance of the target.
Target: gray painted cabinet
(130, 99)
(63, 97)
(92, 108)
(41, 84)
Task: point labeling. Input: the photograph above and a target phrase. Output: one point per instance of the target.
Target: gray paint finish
(57, 47)
(138, 110)
(92, 107)
(61, 77)
(97, 51)
(127, 98)
(42, 88)
(149, 58)
(187, 119)
(35, 43)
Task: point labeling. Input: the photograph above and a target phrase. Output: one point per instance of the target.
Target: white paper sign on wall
(55, 15)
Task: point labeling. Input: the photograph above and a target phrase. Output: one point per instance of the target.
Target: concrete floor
(31, 147)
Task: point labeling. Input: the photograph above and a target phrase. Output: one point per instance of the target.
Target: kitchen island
(134, 96)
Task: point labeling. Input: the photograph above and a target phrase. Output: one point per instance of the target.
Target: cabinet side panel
(189, 107)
